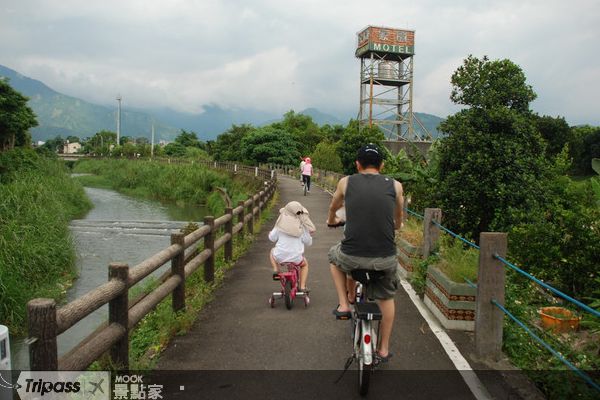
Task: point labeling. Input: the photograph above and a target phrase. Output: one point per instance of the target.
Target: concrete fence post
(431, 231)
(491, 280)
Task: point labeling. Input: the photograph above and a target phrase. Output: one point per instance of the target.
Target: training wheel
(306, 301)
(272, 301)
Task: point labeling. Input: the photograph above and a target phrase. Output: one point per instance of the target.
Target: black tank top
(370, 204)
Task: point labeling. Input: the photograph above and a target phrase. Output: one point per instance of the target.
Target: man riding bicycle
(373, 205)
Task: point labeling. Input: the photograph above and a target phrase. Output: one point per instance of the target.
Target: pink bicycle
(289, 287)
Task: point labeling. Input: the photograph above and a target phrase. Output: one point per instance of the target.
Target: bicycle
(305, 180)
(365, 319)
(364, 327)
(289, 287)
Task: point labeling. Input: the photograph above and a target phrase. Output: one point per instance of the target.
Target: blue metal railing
(521, 324)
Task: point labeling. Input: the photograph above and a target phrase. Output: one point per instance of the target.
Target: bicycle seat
(365, 276)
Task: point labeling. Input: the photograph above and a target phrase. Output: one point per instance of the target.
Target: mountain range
(62, 115)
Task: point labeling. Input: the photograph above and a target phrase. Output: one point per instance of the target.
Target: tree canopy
(492, 161)
(16, 117)
(489, 84)
(269, 145)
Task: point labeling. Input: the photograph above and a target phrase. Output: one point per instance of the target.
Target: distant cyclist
(373, 204)
(307, 171)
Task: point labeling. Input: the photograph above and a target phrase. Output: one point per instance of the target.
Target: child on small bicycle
(291, 233)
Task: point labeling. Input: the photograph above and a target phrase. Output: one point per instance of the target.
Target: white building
(71, 148)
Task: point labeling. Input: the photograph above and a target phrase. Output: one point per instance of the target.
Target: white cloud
(270, 54)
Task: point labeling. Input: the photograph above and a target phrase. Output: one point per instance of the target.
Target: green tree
(490, 84)
(325, 157)
(269, 145)
(556, 132)
(55, 145)
(352, 140)
(16, 118)
(100, 143)
(305, 132)
(128, 149)
(561, 245)
(228, 146)
(584, 147)
(331, 133)
(175, 150)
(189, 139)
(492, 161)
(73, 139)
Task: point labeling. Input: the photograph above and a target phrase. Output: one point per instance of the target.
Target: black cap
(369, 154)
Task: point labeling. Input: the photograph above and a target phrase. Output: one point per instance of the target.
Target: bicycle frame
(289, 287)
(365, 333)
(365, 313)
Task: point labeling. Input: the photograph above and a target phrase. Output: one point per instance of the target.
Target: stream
(119, 228)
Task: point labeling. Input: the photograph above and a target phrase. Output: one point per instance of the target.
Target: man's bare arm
(398, 223)
(337, 202)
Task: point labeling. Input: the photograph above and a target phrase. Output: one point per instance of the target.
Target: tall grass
(36, 249)
(183, 183)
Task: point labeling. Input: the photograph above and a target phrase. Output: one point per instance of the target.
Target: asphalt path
(240, 347)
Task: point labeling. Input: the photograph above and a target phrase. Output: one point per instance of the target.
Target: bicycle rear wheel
(364, 378)
(364, 370)
(288, 294)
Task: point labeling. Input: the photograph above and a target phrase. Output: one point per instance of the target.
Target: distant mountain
(63, 115)
(59, 114)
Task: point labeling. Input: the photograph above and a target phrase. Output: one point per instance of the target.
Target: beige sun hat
(292, 218)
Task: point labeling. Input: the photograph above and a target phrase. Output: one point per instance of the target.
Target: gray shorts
(383, 289)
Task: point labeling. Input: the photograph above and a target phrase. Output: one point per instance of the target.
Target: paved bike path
(240, 347)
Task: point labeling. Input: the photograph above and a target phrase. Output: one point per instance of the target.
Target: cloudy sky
(294, 54)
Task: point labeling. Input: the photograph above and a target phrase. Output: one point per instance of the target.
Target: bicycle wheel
(288, 294)
(305, 189)
(364, 370)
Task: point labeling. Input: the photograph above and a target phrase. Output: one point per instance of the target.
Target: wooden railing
(46, 322)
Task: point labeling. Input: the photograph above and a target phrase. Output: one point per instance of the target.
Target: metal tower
(386, 75)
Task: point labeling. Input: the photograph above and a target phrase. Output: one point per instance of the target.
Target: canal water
(119, 228)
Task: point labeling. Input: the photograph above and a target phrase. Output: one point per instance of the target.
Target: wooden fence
(46, 322)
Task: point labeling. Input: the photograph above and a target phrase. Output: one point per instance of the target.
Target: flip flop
(385, 359)
(341, 314)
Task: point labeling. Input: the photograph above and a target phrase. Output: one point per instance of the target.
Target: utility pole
(119, 98)
(152, 143)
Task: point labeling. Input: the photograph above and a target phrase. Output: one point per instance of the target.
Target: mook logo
(61, 385)
(132, 387)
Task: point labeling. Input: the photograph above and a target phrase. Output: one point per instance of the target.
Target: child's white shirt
(289, 248)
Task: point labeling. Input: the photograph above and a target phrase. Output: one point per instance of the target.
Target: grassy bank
(183, 183)
(38, 199)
